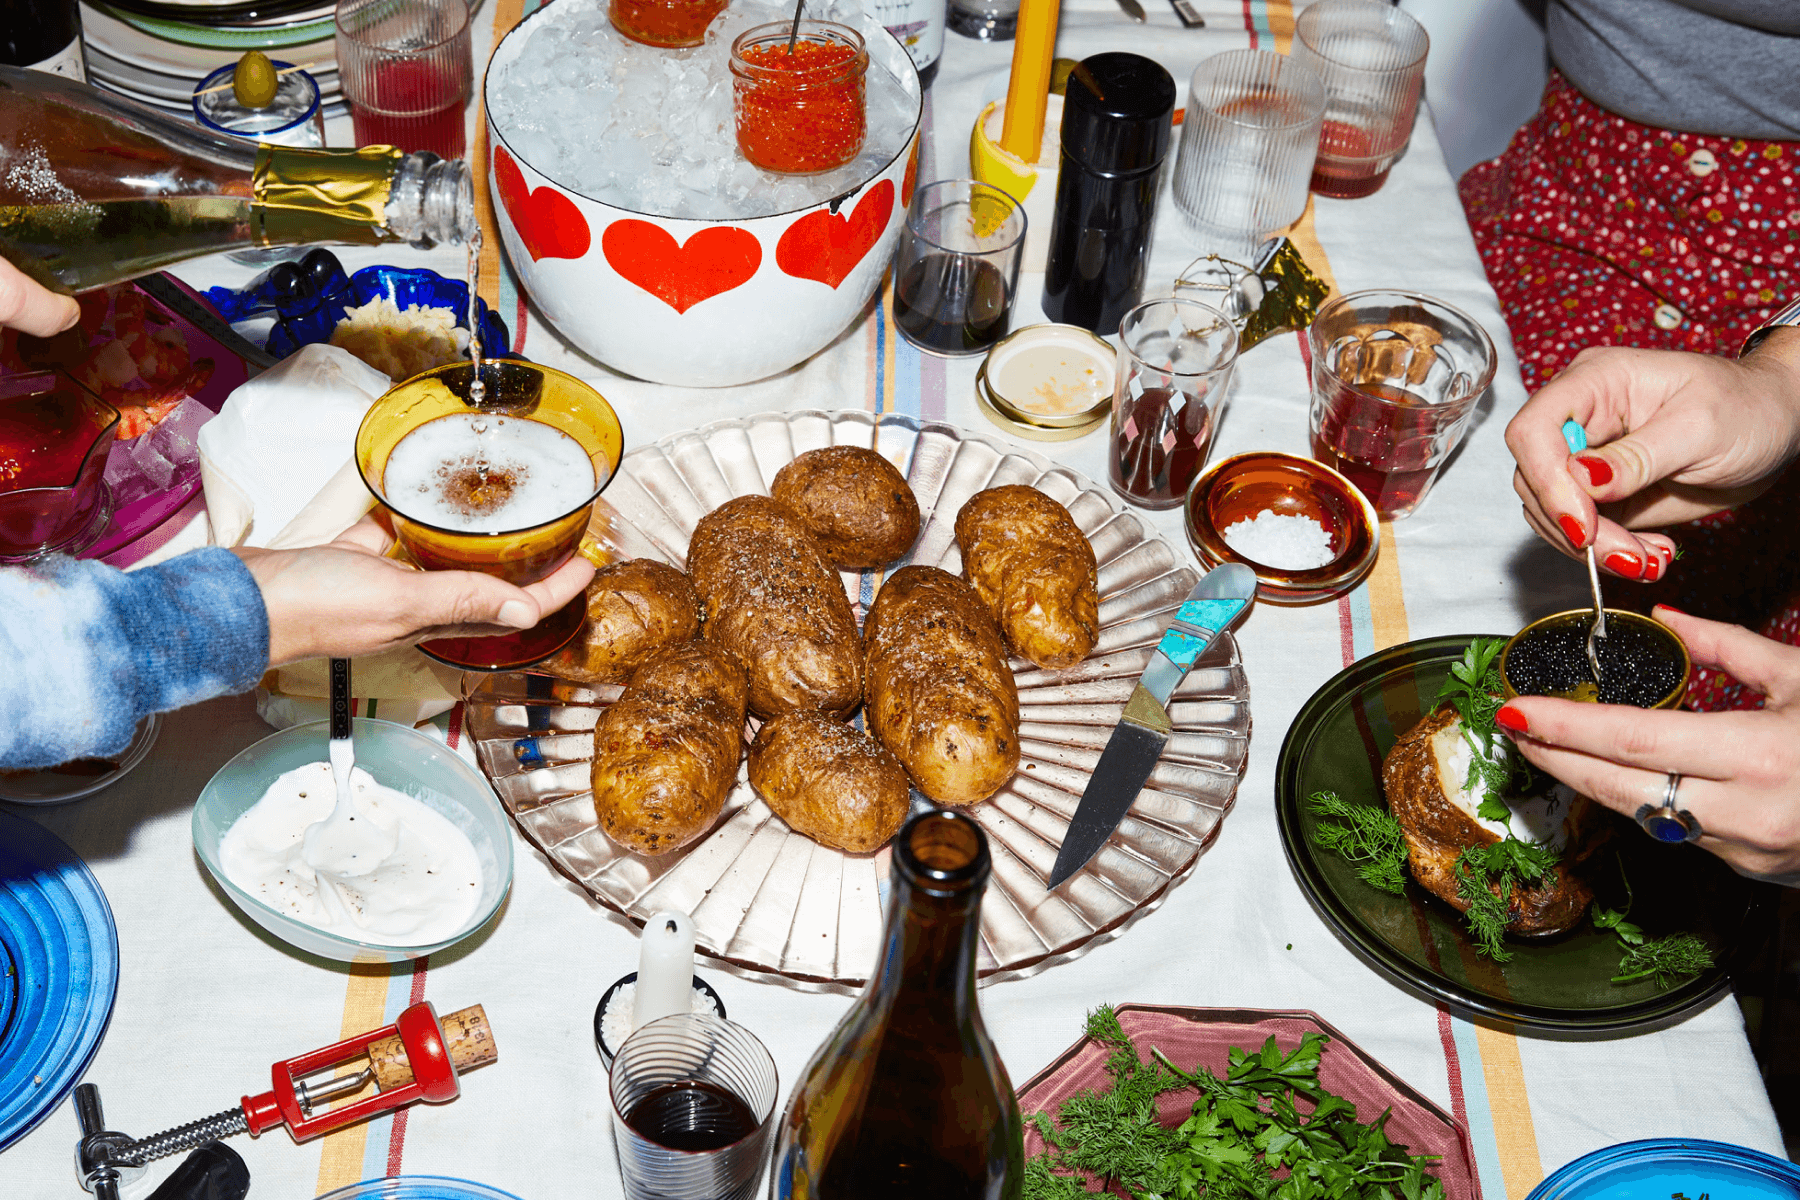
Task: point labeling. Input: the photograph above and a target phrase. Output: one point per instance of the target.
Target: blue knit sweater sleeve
(87, 650)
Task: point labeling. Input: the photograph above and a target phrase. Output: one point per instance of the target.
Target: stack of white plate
(156, 51)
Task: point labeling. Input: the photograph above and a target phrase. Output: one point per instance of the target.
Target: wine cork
(467, 1037)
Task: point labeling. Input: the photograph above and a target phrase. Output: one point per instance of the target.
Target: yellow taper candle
(1034, 46)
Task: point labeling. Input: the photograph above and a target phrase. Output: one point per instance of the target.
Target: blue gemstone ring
(1665, 822)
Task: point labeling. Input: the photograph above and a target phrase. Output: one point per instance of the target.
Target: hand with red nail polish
(1672, 436)
(1739, 771)
(1630, 566)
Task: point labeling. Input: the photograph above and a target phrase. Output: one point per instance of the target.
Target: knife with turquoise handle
(1138, 739)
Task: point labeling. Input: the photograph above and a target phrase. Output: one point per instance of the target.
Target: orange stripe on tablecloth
(507, 13)
(1515, 1136)
(1509, 1106)
(1281, 24)
(365, 1008)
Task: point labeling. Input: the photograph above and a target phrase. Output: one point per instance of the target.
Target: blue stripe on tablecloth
(1480, 1114)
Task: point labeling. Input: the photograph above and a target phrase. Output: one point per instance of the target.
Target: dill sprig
(1486, 877)
(1366, 835)
(1670, 960)
(1244, 1129)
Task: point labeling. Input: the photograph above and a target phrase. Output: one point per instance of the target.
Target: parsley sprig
(1487, 876)
(1670, 960)
(1366, 835)
(1475, 691)
(1244, 1128)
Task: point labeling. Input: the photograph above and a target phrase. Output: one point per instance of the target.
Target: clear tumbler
(692, 1095)
(1371, 57)
(1247, 146)
(1174, 368)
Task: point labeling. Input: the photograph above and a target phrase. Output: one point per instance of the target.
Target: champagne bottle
(44, 35)
(908, 1100)
(95, 188)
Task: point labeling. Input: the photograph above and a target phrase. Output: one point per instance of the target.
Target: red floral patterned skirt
(1597, 231)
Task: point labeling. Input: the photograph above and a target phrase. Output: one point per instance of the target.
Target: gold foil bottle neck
(305, 195)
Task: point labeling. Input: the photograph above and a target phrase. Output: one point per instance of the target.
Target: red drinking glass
(54, 439)
(1396, 379)
(407, 70)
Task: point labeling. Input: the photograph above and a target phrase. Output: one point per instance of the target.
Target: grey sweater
(1726, 67)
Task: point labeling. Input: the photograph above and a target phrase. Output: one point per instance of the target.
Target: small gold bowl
(1555, 649)
(1031, 382)
(1240, 487)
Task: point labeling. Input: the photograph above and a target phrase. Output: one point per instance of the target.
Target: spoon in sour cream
(342, 846)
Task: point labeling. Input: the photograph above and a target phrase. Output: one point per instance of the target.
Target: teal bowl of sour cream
(435, 859)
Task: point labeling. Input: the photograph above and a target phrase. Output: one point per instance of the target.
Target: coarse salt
(615, 1022)
(1287, 543)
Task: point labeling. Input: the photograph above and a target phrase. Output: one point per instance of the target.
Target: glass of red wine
(957, 268)
(1372, 60)
(55, 436)
(692, 1098)
(407, 69)
(1175, 363)
(1396, 378)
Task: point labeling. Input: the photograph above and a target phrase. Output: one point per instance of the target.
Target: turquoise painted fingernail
(1575, 435)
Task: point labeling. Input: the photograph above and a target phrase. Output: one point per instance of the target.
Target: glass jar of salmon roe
(802, 112)
(667, 23)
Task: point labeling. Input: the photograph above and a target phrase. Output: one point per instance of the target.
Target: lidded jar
(805, 112)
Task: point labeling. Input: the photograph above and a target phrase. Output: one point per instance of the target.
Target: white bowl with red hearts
(700, 303)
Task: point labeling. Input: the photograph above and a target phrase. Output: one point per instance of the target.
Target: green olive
(254, 82)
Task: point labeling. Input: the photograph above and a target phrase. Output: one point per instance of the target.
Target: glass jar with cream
(1047, 382)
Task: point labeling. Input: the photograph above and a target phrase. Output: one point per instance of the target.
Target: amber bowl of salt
(1305, 530)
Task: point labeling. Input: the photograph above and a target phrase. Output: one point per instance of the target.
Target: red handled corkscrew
(418, 1057)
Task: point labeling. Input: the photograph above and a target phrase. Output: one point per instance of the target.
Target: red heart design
(824, 246)
(548, 222)
(714, 260)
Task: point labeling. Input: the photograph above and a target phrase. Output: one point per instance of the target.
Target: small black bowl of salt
(1304, 529)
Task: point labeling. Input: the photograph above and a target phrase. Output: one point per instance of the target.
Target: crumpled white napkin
(277, 461)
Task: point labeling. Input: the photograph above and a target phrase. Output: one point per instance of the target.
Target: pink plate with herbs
(1203, 1037)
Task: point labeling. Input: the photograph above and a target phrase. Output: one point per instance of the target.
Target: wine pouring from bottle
(96, 189)
(908, 1098)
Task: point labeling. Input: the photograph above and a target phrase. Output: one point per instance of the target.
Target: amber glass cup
(514, 389)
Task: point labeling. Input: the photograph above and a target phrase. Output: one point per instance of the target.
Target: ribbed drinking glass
(406, 68)
(1371, 57)
(1247, 146)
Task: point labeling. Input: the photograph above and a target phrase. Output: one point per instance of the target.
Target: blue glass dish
(418, 1187)
(308, 299)
(59, 972)
(1658, 1168)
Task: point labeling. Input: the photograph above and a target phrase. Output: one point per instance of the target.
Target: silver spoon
(794, 37)
(338, 845)
(1576, 437)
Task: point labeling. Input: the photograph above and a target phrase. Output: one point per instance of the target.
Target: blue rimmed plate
(418, 1187)
(1657, 1168)
(59, 972)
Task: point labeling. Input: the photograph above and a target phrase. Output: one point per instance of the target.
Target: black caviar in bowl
(1642, 662)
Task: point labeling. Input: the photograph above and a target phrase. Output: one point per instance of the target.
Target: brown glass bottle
(908, 1098)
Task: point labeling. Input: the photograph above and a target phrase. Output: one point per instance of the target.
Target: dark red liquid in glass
(691, 1114)
(415, 106)
(1334, 177)
(53, 446)
(1160, 440)
(1381, 438)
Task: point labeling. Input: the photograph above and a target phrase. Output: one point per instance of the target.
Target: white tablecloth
(207, 1001)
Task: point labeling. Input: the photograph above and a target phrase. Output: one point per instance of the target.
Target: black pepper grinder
(1115, 133)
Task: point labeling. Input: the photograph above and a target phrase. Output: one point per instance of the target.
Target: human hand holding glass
(505, 488)
(1673, 437)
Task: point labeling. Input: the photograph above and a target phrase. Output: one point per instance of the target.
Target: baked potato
(1423, 777)
(940, 693)
(854, 502)
(666, 753)
(635, 609)
(1032, 565)
(830, 781)
(767, 596)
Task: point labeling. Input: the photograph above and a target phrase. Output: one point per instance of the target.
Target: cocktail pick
(794, 37)
(1576, 437)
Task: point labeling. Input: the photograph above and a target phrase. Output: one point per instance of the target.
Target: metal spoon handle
(340, 699)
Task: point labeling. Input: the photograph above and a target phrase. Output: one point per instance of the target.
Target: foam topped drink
(481, 473)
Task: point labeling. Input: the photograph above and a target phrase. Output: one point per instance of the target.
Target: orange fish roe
(666, 23)
(804, 112)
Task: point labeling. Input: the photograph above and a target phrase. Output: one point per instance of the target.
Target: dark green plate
(1337, 743)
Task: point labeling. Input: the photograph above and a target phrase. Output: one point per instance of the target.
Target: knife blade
(1143, 729)
(1134, 10)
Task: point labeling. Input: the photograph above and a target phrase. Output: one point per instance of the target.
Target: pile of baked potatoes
(760, 625)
